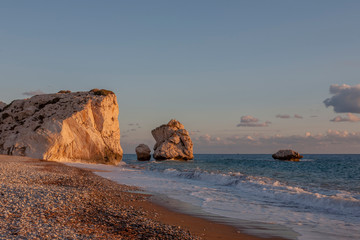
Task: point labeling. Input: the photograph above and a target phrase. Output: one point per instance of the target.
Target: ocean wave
(276, 192)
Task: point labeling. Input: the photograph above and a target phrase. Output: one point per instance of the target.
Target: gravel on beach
(49, 200)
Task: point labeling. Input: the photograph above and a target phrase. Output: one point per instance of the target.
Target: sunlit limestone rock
(288, 155)
(172, 142)
(143, 152)
(65, 126)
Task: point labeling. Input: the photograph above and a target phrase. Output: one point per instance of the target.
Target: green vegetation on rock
(101, 92)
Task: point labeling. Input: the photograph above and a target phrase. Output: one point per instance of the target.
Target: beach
(315, 198)
(50, 200)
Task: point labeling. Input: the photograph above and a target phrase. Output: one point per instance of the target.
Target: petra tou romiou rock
(143, 152)
(65, 126)
(172, 142)
(287, 155)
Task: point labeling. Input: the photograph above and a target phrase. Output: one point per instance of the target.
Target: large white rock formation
(65, 126)
(172, 142)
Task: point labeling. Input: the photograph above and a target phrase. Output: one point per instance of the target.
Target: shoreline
(50, 200)
(198, 221)
(201, 226)
(251, 229)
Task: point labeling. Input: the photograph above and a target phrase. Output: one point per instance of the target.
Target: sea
(315, 198)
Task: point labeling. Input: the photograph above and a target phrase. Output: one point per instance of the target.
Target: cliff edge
(65, 126)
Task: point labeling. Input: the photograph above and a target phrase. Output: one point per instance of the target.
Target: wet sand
(49, 200)
(204, 228)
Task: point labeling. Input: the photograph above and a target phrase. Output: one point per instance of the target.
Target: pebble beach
(48, 200)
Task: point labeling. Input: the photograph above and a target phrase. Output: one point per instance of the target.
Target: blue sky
(205, 63)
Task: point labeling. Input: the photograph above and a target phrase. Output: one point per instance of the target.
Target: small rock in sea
(172, 142)
(143, 152)
(287, 155)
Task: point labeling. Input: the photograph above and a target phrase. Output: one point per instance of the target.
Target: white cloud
(207, 138)
(330, 141)
(287, 116)
(330, 136)
(349, 118)
(250, 121)
(250, 138)
(346, 98)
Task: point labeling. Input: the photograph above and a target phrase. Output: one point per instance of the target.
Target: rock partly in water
(79, 126)
(143, 152)
(172, 142)
(288, 155)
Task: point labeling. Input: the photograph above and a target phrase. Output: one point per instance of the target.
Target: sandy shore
(49, 200)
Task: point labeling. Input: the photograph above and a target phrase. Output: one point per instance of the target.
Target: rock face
(143, 152)
(79, 126)
(2, 105)
(172, 142)
(288, 155)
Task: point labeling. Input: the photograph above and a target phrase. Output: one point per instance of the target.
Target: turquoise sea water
(316, 198)
(314, 172)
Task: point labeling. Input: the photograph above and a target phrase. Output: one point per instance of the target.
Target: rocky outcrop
(172, 142)
(2, 105)
(143, 152)
(79, 126)
(288, 155)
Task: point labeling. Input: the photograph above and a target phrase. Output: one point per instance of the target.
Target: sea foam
(298, 201)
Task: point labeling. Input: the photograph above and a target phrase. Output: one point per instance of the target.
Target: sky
(241, 76)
